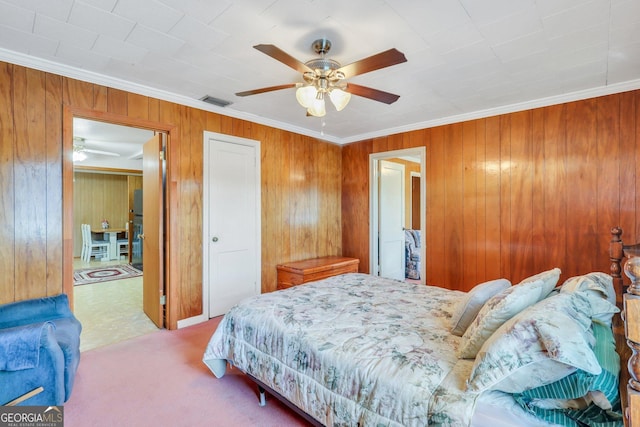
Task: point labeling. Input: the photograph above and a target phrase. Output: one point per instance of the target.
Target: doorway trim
(374, 161)
(171, 266)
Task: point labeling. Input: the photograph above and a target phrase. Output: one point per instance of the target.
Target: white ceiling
(122, 145)
(466, 58)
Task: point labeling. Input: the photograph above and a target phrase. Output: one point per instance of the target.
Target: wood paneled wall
(98, 196)
(513, 195)
(507, 196)
(301, 185)
(409, 167)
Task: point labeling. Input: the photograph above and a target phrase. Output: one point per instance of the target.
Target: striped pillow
(581, 397)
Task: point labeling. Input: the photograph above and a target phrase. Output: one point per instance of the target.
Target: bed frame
(263, 389)
(627, 325)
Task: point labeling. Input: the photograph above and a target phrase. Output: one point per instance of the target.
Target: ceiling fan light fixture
(306, 95)
(317, 108)
(339, 98)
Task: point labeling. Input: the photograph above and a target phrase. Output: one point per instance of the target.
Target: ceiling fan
(80, 150)
(323, 76)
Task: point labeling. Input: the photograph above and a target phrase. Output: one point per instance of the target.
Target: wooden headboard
(627, 325)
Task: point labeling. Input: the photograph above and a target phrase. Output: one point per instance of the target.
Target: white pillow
(598, 288)
(602, 310)
(541, 345)
(502, 307)
(597, 283)
(468, 308)
(549, 277)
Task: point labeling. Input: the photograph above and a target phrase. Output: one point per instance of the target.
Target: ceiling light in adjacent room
(79, 156)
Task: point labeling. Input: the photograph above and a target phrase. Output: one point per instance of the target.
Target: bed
(356, 349)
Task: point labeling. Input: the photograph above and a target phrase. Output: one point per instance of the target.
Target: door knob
(141, 236)
(215, 239)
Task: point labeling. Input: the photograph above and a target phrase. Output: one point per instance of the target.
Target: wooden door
(153, 233)
(391, 220)
(232, 215)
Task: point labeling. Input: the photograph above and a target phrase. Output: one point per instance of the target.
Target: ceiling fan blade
(381, 60)
(282, 56)
(375, 94)
(103, 153)
(265, 89)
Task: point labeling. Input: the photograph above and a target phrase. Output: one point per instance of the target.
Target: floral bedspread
(352, 350)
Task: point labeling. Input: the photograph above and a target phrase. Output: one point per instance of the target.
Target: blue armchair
(39, 347)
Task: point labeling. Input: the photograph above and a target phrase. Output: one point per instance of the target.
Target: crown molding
(116, 83)
(506, 109)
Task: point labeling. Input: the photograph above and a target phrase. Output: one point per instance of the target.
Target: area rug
(86, 276)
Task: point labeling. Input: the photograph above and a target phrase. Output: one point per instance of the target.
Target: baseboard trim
(190, 321)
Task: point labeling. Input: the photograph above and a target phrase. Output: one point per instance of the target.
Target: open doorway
(107, 187)
(397, 214)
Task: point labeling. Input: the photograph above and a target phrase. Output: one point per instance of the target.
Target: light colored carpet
(159, 380)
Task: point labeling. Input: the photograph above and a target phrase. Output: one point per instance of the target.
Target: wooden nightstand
(308, 270)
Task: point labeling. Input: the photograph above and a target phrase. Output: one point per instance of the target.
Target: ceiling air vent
(215, 101)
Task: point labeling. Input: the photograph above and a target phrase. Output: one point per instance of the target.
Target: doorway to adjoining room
(397, 214)
(108, 270)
